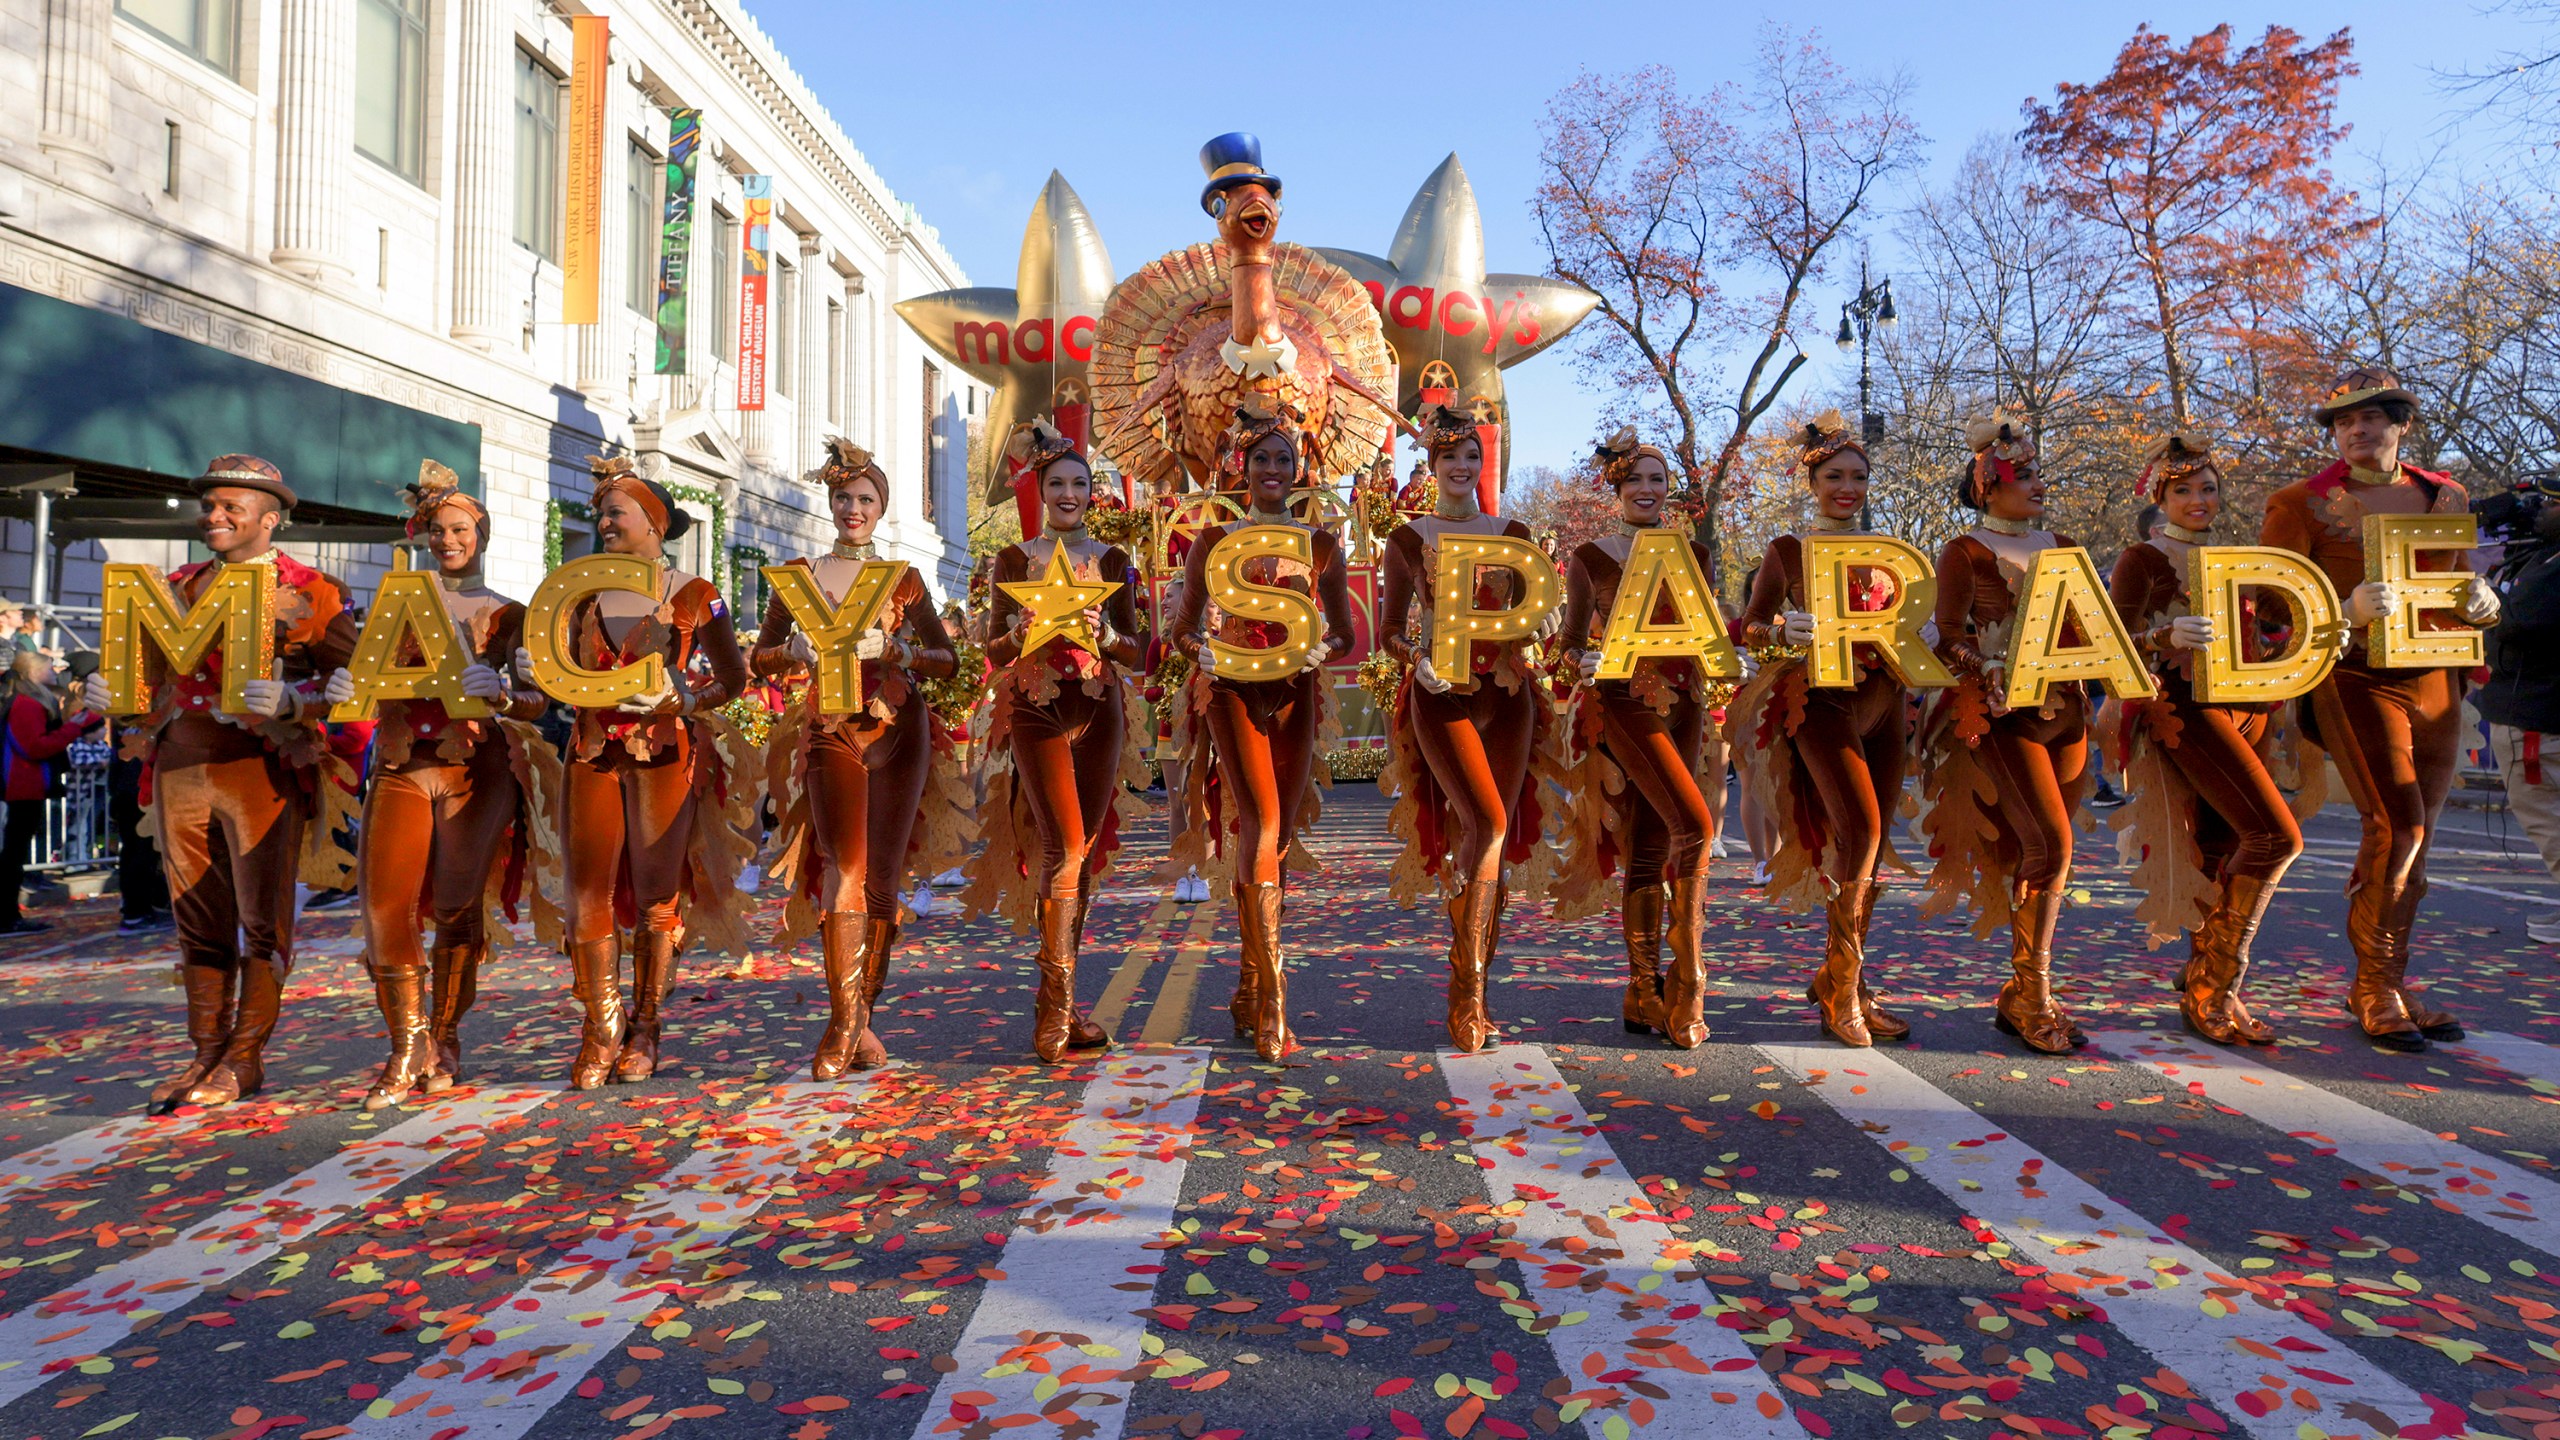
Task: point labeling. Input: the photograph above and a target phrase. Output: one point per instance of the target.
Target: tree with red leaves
(1701, 224)
(2209, 166)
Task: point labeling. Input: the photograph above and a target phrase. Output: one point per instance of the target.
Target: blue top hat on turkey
(1230, 160)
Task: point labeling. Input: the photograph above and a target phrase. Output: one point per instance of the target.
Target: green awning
(85, 384)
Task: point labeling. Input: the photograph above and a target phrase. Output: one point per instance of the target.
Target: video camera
(2508, 519)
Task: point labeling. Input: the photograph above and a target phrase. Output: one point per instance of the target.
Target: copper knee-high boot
(2026, 1007)
(2374, 997)
(402, 994)
(1684, 986)
(1640, 927)
(1472, 916)
(1053, 1005)
(1883, 1024)
(1836, 984)
(653, 972)
(453, 983)
(1245, 1009)
(2209, 999)
(1083, 1034)
(840, 937)
(595, 977)
(208, 1026)
(242, 1070)
(1258, 918)
(880, 937)
(2434, 1024)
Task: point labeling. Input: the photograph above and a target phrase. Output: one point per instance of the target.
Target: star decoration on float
(1034, 342)
(1057, 603)
(1455, 328)
(1263, 359)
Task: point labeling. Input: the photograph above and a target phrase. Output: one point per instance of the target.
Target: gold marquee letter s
(1237, 596)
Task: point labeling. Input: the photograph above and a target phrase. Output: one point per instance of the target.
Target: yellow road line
(1170, 1019)
(1114, 1005)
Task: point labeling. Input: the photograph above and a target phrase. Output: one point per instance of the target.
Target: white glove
(94, 693)
(524, 668)
(478, 681)
(873, 644)
(2190, 632)
(648, 702)
(342, 687)
(2480, 604)
(265, 697)
(801, 649)
(1317, 658)
(1586, 666)
(1750, 665)
(1427, 677)
(2371, 601)
(1995, 686)
(1206, 659)
(1548, 627)
(1797, 627)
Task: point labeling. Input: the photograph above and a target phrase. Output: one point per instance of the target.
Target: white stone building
(329, 231)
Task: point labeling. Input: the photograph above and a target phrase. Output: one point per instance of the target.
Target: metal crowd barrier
(79, 828)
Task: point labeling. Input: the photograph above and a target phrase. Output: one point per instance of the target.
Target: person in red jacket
(39, 731)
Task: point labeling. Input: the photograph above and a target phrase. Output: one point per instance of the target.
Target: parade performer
(1641, 741)
(658, 790)
(2208, 829)
(1825, 763)
(2003, 787)
(2395, 734)
(860, 799)
(1460, 747)
(1254, 747)
(1067, 736)
(444, 797)
(233, 798)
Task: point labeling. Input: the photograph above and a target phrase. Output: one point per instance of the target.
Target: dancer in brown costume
(850, 789)
(1262, 735)
(2032, 766)
(1461, 756)
(443, 797)
(1063, 713)
(2396, 734)
(233, 796)
(2211, 828)
(648, 785)
(1652, 730)
(1826, 762)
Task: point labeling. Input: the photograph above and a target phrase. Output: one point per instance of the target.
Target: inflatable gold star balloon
(1453, 327)
(1034, 342)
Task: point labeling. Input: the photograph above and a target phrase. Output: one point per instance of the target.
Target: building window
(723, 284)
(391, 83)
(781, 333)
(642, 178)
(207, 29)
(835, 361)
(932, 432)
(537, 157)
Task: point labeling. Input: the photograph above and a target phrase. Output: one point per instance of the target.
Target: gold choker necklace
(1447, 511)
(1836, 527)
(1064, 534)
(454, 584)
(2183, 535)
(867, 550)
(1998, 526)
(1631, 530)
(2362, 476)
(1282, 516)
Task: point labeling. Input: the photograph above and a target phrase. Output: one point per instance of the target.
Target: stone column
(77, 39)
(484, 112)
(315, 135)
(817, 278)
(604, 348)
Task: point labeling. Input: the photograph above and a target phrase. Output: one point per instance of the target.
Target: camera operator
(2521, 702)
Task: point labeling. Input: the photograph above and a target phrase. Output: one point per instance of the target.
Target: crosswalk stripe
(2532, 1059)
(33, 1170)
(1535, 1144)
(2457, 1178)
(1050, 1347)
(2252, 1360)
(131, 1292)
(573, 1315)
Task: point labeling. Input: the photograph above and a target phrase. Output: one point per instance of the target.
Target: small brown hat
(247, 472)
(2360, 386)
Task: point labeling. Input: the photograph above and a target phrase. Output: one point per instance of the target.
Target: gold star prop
(1057, 602)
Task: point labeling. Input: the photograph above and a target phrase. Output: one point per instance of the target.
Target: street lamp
(1871, 311)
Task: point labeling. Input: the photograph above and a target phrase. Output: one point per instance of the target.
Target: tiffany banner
(675, 237)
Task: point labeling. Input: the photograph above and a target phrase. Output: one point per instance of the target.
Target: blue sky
(966, 109)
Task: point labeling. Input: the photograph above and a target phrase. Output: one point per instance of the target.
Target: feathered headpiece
(1613, 461)
(1446, 427)
(1036, 444)
(2001, 452)
(1824, 436)
(1257, 419)
(847, 462)
(2174, 456)
(435, 488)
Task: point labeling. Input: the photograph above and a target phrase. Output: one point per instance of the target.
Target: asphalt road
(1583, 1232)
